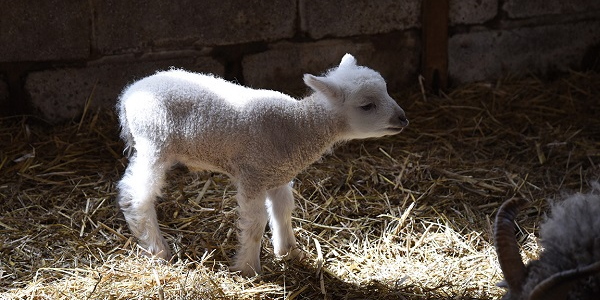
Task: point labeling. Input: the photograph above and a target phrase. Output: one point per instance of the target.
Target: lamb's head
(532, 282)
(360, 95)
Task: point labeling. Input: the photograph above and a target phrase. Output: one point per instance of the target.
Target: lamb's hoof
(294, 254)
(246, 270)
(163, 256)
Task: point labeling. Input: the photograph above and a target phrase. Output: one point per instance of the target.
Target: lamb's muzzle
(399, 122)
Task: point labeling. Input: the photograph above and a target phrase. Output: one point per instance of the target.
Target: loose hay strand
(402, 217)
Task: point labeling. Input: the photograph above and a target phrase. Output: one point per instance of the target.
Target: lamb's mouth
(395, 129)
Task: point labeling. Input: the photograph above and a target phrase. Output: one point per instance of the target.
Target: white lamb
(260, 138)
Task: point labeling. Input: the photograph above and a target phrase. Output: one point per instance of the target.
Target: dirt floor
(402, 217)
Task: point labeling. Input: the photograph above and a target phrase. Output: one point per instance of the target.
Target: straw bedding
(403, 217)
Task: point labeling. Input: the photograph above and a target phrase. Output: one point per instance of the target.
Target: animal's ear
(348, 60)
(323, 85)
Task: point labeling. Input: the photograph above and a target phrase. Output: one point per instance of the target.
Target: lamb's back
(205, 120)
(184, 100)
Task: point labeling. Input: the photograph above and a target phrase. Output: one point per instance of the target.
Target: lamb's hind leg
(252, 223)
(280, 204)
(138, 191)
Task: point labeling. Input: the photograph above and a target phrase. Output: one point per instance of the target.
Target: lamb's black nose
(403, 121)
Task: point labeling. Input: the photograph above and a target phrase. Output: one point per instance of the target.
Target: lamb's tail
(126, 135)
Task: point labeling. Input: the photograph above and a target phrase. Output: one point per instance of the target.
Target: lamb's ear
(323, 85)
(348, 60)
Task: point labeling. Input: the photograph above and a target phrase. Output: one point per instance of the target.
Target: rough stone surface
(282, 67)
(533, 8)
(4, 96)
(125, 26)
(357, 17)
(60, 95)
(44, 30)
(472, 11)
(486, 54)
(54, 52)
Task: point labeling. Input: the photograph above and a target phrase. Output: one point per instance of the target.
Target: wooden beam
(434, 58)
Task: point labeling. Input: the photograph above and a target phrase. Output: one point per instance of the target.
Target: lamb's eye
(367, 107)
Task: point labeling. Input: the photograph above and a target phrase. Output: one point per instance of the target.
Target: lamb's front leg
(252, 223)
(280, 204)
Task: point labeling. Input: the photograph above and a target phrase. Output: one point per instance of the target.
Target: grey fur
(570, 239)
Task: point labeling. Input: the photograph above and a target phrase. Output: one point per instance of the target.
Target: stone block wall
(57, 55)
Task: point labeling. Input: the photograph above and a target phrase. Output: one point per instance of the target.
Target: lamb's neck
(291, 136)
(311, 129)
(317, 121)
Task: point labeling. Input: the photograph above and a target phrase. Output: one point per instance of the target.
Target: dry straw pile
(404, 217)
